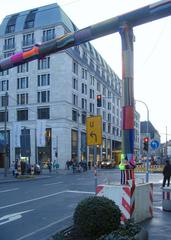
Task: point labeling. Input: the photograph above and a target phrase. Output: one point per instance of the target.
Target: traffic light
(99, 100)
(146, 141)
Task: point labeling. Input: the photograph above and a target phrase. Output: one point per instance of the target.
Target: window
(43, 80)
(8, 54)
(4, 85)
(2, 116)
(48, 34)
(74, 99)
(104, 115)
(92, 80)
(84, 103)
(104, 127)
(109, 117)
(4, 73)
(84, 88)
(75, 67)
(22, 115)
(104, 91)
(74, 115)
(44, 63)
(9, 43)
(22, 98)
(4, 101)
(22, 83)
(109, 106)
(29, 22)
(43, 113)
(83, 116)
(109, 128)
(22, 68)
(28, 39)
(91, 94)
(75, 83)
(91, 108)
(43, 96)
(84, 56)
(104, 102)
(10, 29)
(84, 74)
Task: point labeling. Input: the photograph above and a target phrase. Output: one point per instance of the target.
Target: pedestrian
(13, 168)
(68, 164)
(50, 166)
(166, 173)
(89, 165)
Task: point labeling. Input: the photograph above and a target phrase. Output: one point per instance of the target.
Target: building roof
(151, 128)
(41, 17)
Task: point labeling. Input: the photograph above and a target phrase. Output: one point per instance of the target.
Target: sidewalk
(159, 226)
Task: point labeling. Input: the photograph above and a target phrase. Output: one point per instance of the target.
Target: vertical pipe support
(127, 39)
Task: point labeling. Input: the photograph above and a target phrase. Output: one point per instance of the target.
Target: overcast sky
(152, 50)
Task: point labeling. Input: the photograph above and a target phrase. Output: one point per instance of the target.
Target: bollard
(167, 199)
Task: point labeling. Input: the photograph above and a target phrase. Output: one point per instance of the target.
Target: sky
(152, 51)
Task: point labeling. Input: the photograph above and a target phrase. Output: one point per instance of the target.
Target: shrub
(95, 216)
(127, 231)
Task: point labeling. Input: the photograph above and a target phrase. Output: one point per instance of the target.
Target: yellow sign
(94, 130)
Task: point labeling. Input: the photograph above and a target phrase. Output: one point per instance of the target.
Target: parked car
(108, 164)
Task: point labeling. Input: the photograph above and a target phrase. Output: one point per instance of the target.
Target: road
(34, 210)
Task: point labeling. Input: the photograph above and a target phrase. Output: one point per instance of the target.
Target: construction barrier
(135, 202)
(166, 199)
(152, 168)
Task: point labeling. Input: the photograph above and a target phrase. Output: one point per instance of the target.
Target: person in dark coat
(166, 173)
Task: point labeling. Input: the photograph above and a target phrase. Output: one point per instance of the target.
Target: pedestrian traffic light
(146, 141)
(99, 100)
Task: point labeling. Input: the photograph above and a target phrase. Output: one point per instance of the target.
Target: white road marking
(160, 208)
(9, 190)
(45, 227)
(43, 197)
(72, 191)
(32, 200)
(48, 184)
(12, 217)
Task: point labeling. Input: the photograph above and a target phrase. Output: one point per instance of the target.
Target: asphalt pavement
(158, 227)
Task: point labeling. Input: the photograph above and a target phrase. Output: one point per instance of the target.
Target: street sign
(154, 144)
(94, 130)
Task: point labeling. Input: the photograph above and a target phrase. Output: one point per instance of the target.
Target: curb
(22, 180)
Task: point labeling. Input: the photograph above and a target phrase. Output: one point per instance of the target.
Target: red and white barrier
(167, 198)
(135, 202)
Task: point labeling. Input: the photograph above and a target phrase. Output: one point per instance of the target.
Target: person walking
(166, 174)
(13, 168)
(50, 166)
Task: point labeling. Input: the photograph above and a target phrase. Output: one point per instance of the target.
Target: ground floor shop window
(74, 145)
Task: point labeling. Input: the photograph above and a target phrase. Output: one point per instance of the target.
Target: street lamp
(147, 130)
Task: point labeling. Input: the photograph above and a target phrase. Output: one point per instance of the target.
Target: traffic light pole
(147, 162)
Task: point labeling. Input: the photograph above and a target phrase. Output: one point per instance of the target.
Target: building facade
(44, 103)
